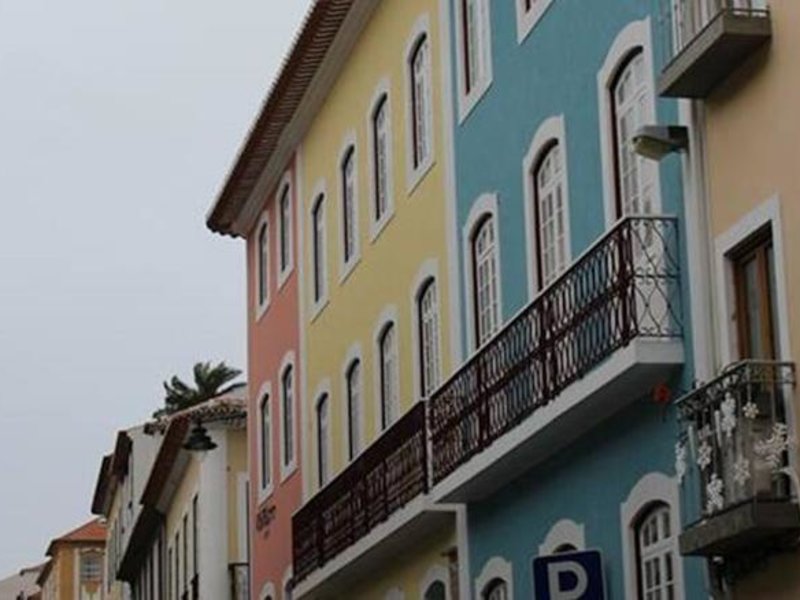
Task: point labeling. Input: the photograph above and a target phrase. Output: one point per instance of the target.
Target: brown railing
(383, 479)
(625, 286)
(240, 581)
(735, 439)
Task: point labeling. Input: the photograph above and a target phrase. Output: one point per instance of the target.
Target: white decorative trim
(320, 189)
(527, 20)
(436, 573)
(323, 388)
(267, 591)
(395, 594)
(485, 205)
(346, 267)
(495, 568)
(376, 226)
(565, 531)
(415, 175)
(261, 307)
(651, 488)
(388, 315)
(264, 491)
(429, 270)
(286, 183)
(353, 354)
(636, 34)
(551, 130)
(767, 214)
(287, 469)
(467, 101)
(302, 323)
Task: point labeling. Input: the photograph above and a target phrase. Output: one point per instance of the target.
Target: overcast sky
(119, 120)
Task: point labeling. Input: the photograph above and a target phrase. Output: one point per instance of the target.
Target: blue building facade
(549, 197)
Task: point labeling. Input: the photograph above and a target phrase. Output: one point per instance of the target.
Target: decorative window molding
(426, 335)
(286, 584)
(495, 568)
(473, 53)
(419, 103)
(319, 256)
(435, 574)
(348, 207)
(485, 207)
(565, 532)
(549, 134)
(634, 38)
(261, 256)
(355, 439)
(387, 369)
(284, 206)
(529, 12)
(323, 437)
(267, 592)
(288, 415)
(652, 489)
(380, 159)
(265, 478)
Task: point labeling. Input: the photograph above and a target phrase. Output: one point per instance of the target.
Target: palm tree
(209, 382)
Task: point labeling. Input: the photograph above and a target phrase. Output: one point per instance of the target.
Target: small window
(474, 44)
(285, 208)
(387, 348)
(323, 458)
(287, 426)
(485, 280)
(419, 64)
(550, 213)
(436, 591)
(349, 216)
(428, 323)
(263, 264)
(354, 409)
(497, 589)
(91, 567)
(380, 158)
(318, 248)
(756, 308)
(655, 548)
(266, 444)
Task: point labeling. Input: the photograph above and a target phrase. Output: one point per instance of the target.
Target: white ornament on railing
(741, 470)
(715, 499)
(771, 449)
(728, 408)
(750, 410)
(704, 432)
(704, 455)
(680, 461)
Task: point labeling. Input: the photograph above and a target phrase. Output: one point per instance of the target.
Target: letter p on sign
(569, 576)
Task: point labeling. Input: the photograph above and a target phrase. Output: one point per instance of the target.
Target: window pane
(348, 205)
(389, 381)
(288, 416)
(485, 281)
(286, 228)
(266, 443)
(354, 409)
(429, 339)
(322, 439)
(318, 241)
(381, 159)
(420, 100)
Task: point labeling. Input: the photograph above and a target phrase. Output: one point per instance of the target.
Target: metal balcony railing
(240, 581)
(735, 440)
(625, 286)
(383, 479)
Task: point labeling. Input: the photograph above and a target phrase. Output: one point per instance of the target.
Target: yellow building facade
(74, 570)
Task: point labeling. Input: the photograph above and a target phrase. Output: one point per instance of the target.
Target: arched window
(380, 158)
(287, 406)
(318, 248)
(263, 264)
(655, 548)
(389, 382)
(349, 224)
(266, 443)
(550, 214)
(497, 589)
(436, 591)
(630, 100)
(353, 376)
(285, 222)
(484, 279)
(323, 458)
(428, 333)
(419, 65)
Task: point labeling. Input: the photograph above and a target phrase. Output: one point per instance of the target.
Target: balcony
(240, 581)
(601, 336)
(733, 455)
(710, 39)
(364, 515)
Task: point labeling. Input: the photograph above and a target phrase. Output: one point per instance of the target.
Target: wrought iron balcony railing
(707, 40)
(625, 286)
(733, 454)
(240, 581)
(389, 474)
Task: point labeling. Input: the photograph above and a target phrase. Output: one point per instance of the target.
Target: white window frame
(381, 95)
(415, 173)
(290, 466)
(650, 489)
(323, 390)
(285, 228)
(262, 304)
(485, 206)
(428, 271)
(637, 34)
(527, 19)
(551, 130)
(347, 264)
(353, 355)
(387, 317)
(265, 488)
(435, 574)
(495, 568)
(468, 99)
(318, 304)
(563, 532)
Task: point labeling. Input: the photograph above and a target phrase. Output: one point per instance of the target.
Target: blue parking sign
(569, 576)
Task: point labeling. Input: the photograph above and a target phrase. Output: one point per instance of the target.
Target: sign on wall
(569, 576)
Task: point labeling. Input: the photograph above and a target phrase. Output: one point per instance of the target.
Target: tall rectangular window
(428, 322)
(380, 140)
(420, 102)
(387, 347)
(349, 224)
(354, 409)
(470, 32)
(550, 214)
(287, 399)
(195, 541)
(185, 572)
(322, 440)
(318, 247)
(756, 308)
(485, 283)
(266, 444)
(285, 209)
(263, 264)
